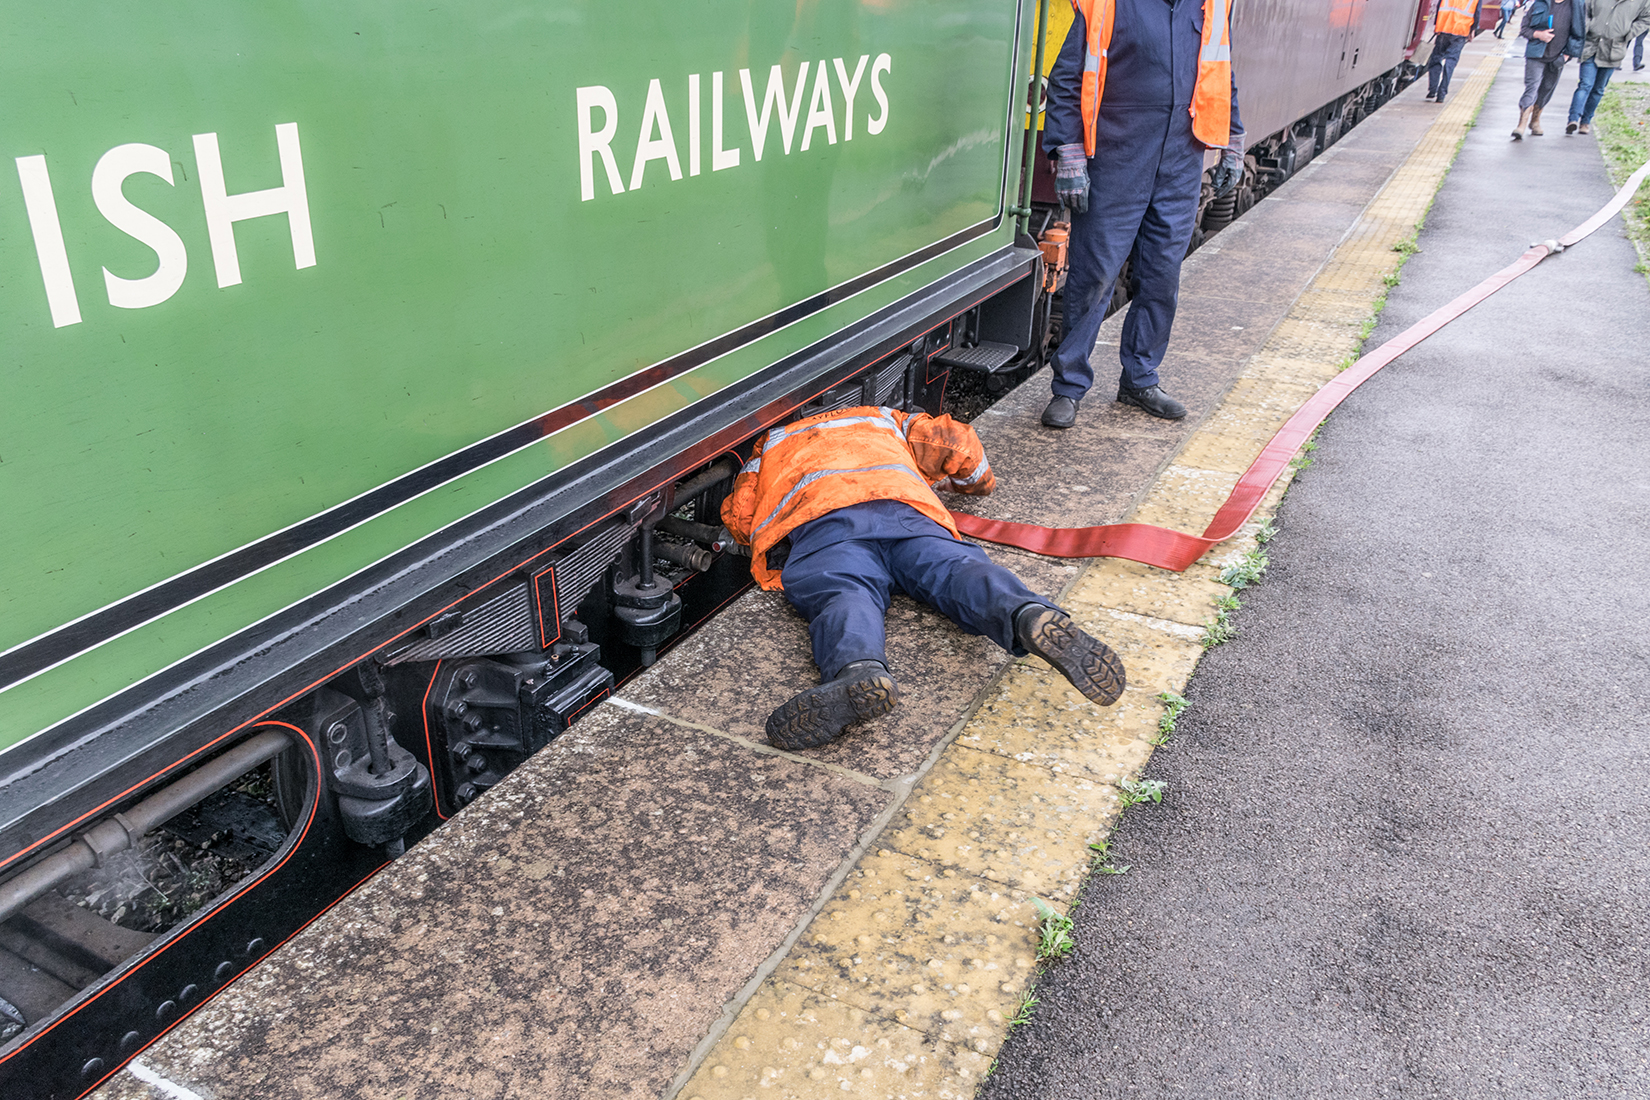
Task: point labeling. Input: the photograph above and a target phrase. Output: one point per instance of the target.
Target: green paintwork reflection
(460, 285)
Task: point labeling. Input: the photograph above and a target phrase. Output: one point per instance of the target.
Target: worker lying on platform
(839, 511)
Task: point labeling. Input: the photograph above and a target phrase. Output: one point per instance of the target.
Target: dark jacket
(1537, 15)
(1151, 69)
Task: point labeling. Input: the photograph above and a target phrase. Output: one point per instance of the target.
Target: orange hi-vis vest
(808, 469)
(1211, 98)
(1454, 17)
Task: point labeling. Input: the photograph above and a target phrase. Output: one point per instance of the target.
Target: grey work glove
(1071, 177)
(1228, 172)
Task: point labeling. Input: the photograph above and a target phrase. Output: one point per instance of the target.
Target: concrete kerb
(904, 977)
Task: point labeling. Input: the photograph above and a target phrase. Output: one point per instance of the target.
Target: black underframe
(65, 775)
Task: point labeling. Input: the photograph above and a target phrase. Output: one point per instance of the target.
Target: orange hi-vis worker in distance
(1456, 17)
(840, 512)
(1455, 23)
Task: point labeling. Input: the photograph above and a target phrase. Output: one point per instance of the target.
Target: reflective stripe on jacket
(805, 470)
(1211, 98)
(1455, 17)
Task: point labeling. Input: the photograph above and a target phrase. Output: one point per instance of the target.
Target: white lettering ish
(112, 171)
(223, 210)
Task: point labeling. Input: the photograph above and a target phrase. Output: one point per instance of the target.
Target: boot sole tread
(815, 717)
(1087, 662)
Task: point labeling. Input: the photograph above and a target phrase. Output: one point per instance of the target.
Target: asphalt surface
(1404, 847)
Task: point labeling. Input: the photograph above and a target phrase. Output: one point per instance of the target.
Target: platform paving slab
(774, 975)
(650, 868)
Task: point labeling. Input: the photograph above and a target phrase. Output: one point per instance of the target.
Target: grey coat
(1611, 24)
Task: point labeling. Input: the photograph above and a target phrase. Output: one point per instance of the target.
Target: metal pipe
(720, 470)
(124, 830)
(694, 557)
(1023, 210)
(644, 569)
(702, 533)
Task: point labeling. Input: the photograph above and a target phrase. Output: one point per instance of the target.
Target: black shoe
(861, 691)
(1087, 662)
(1152, 399)
(1570, 127)
(1430, 96)
(1439, 101)
(1061, 413)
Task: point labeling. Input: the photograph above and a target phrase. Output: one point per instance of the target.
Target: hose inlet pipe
(124, 830)
(1034, 100)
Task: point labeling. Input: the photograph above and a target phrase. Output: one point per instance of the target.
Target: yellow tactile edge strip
(905, 983)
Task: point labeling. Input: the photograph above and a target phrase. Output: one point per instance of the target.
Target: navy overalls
(1145, 179)
(845, 566)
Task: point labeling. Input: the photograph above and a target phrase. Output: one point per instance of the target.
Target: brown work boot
(860, 692)
(1523, 120)
(1086, 661)
(1535, 121)
(1584, 128)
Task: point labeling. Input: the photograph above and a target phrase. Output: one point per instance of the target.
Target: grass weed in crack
(1173, 704)
(1246, 571)
(1132, 792)
(1054, 940)
(1222, 629)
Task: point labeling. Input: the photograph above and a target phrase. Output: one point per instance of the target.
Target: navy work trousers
(845, 567)
(1446, 51)
(1144, 183)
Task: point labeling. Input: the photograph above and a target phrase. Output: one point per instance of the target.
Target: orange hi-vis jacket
(807, 469)
(1211, 97)
(1454, 17)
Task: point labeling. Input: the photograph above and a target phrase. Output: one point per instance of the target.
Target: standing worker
(1141, 88)
(1554, 29)
(839, 511)
(1455, 23)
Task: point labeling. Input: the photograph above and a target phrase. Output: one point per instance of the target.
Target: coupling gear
(1086, 661)
(1071, 177)
(1153, 400)
(861, 691)
(1228, 172)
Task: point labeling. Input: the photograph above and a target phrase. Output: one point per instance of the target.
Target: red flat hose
(1175, 550)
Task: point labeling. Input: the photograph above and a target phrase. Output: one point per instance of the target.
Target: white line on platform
(166, 1087)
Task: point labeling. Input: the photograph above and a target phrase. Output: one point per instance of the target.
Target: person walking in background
(1141, 89)
(1508, 10)
(1455, 23)
(1611, 24)
(1554, 30)
(1638, 53)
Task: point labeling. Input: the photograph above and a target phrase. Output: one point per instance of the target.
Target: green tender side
(192, 362)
